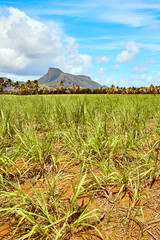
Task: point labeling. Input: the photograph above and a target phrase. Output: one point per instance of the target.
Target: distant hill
(55, 76)
(6, 79)
(104, 86)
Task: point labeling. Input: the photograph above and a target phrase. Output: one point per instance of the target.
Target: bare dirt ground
(122, 217)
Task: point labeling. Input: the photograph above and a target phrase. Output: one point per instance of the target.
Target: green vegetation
(79, 167)
(7, 86)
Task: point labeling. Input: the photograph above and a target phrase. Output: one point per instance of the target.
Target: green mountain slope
(55, 75)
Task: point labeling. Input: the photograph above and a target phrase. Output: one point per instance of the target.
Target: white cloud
(122, 16)
(15, 77)
(101, 60)
(134, 77)
(140, 70)
(117, 82)
(155, 25)
(74, 63)
(143, 75)
(102, 71)
(28, 46)
(151, 79)
(11, 60)
(146, 80)
(117, 66)
(154, 47)
(71, 44)
(127, 55)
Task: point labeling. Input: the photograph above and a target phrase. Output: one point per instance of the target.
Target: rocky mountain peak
(54, 70)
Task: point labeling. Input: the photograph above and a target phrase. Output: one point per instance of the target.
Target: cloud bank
(140, 70)
(135, 13)
(29, 47)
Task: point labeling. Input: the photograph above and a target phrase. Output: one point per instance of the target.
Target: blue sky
(113, 42)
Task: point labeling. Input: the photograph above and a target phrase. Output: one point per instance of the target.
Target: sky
(112, 41)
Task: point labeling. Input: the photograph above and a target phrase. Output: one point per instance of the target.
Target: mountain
(104, 86)
(5, 79)
(55, 76)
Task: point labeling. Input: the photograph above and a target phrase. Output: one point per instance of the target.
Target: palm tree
(145, 90)
(123, 90)
(68, 91)
(58, 90)
(9, 82)
(113, 88)
(77, 88)
(45, 90)
(100, 90)
(1, 84)
(61, 84)
(141, 90)
(151, 89)
(117, 89)
(28, 85)
(23, 86)
(16, 85)
(73, 87)
(36, 86)
(157, 90)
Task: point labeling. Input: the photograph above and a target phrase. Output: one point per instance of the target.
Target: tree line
(33, 88)
(8, 86)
